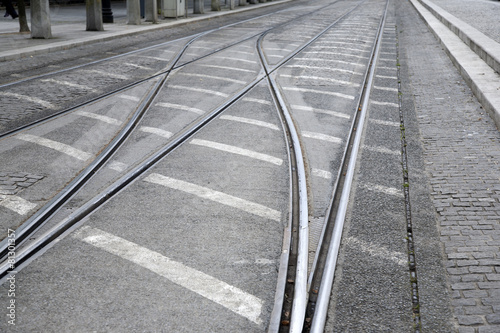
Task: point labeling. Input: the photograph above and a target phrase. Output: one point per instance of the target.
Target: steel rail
(49, 209)
(319, 318)
(67, 194)
(301, 285)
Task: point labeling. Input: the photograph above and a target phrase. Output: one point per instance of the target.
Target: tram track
(298, 174)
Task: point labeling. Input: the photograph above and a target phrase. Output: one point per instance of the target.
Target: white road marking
(311, 109)
(386, 88)
(99, 117)
(213, 77)
(243, 52)
(136, 66)
(222, 198)
(339, 48)
(118, 166)
(61, 147)
(277, 49)
(318, 78)
(237, 150)
(325, 69)
(16, 204)
(251, 121)
(336, 53)
(320, 136)
(382, 150)
(331, 60)
(230, 68)
(180, 107)
(378, 251)
(217, 291)
(384, 103)
(113, 75)
(383, 189)
(130, 98)
(237, 59)
(385, 122)
(206, 91)
(155, 58)
(257, 100)
(69, 84)
(321, 173)
(319, 92)
(385, 59)
(389, 68)
(156, 131)
(386, 77)
(35, 100)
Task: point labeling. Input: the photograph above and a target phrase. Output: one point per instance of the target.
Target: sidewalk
(68, 24)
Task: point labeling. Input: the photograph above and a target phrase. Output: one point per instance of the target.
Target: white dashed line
(130, 98)
(16, 204)
(383, 189)
(257, 100)
(378, 251)
(386, 88)
(68, 84)
(230, 68)
(118, 166)
(113, 75)
(35, 100)
(156, 131)
(384, 103)
(331, 60)
(238, 151)
(311, 109)
(222, 198)
(217, 291)
(382, 150)
(180, 107)
(99, 117)
(321, 173)
(331, 93)
(213, 77)
(320, 136)
(318, 78)
(61, 147)
(251, 121)
(385, 122)
(136, 66)
(205, 91)
(325, 69)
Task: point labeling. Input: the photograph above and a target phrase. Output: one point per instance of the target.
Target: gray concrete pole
(151, 11)
(94, 15)
(40, 19)
(216, 5)
(232, 4)
(133, 12)
(199, 7)
(243, 2)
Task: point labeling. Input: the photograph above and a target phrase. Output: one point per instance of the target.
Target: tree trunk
(23, 22)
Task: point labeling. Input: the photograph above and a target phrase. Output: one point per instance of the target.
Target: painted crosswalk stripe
(386, 88)
(206, 91)
(180, 107)
(238, 59)
(320, 136)
(99, 117)
(331, 60)
(321, 173)
(386, 77)
(336, 53)
(251, 122)
(16, 204)
(31, 99)
(156, 131)
(238, 151)
(61, 147)
(311, 109)
(332, 93)
(222, 198)
(231, 297)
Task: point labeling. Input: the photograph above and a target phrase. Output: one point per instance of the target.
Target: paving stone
(470, 320)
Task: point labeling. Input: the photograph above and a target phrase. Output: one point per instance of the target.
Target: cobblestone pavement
(461, 155)
(13, 182)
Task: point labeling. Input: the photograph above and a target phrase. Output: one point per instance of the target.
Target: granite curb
(481, 77)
